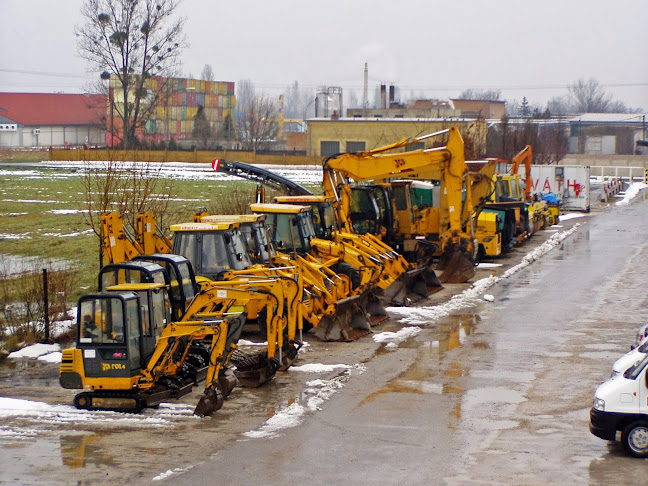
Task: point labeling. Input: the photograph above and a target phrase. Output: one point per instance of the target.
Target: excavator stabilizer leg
(412, 286)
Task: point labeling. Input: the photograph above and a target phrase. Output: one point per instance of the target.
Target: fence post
(46, 302)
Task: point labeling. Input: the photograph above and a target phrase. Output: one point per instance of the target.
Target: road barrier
(611, 188)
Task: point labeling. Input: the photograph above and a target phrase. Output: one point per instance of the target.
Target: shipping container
(191, 98)
(200, 99)
(230, 88)
(178, 127)
(571, 183)
(184, 113)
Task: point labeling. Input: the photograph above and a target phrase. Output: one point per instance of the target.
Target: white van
(620, 409)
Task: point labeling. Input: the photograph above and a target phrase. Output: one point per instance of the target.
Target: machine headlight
(598, 404)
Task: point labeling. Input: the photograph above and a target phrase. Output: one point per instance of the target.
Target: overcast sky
(531, 48)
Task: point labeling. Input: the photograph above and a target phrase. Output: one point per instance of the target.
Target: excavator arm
(525, 155)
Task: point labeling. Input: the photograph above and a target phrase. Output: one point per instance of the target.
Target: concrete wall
(198, 156)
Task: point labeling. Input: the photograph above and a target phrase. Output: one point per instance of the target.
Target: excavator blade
(348, 323)
(210, 402)
(458, 268)
(289, 354)
(412, 286)
(253, 369)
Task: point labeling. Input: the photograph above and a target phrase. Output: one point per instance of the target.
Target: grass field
(43, 213)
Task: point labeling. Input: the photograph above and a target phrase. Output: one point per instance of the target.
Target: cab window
(101, 321)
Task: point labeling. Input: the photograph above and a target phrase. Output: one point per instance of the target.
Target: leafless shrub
(22, 300)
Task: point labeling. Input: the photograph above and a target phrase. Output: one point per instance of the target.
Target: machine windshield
(101, 321)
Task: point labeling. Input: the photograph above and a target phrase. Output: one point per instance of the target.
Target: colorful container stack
(175, 118)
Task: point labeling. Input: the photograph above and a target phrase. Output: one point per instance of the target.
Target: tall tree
(256, 117)
(588, 96)
(202, 128)
(131, 41)
(207, 73)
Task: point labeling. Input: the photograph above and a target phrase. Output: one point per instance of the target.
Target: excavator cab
(116, 334)
(291, 226)
(213, 248)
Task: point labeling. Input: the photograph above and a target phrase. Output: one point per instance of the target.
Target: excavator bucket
(457, 265)
(209, 403)
(348, 323)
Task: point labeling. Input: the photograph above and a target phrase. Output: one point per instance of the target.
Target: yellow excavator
(453, 241)
(398, 282)
(128, 356)
(544, 213)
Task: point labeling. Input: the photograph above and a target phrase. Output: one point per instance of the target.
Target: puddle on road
(423, 376)
(81, 450)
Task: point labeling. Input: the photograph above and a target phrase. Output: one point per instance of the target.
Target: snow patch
(395, 338)
(631, 192)
(35, 351)
(319, 368)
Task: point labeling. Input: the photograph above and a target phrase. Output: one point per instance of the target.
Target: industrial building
(51, 119)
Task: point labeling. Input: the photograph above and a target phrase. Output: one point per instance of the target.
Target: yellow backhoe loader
(328, 302)
(177, 273)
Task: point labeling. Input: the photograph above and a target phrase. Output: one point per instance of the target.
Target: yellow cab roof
(135, 286)
(311, 198)
(232, 218)
(204, 226)
(279, 208)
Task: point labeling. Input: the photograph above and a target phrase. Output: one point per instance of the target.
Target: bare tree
(127, 188)
(207, 73)
(588, 96)
(131, 40)
(256, 117)
(481, 94)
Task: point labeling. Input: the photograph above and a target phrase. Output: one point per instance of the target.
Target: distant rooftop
(53, 108)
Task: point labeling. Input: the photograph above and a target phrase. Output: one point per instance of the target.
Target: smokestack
(392, 91)
(365, 98)
(383, 96)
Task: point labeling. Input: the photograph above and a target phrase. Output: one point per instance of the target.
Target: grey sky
(531, 48)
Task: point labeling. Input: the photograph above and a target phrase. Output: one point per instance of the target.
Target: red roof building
(52, 119)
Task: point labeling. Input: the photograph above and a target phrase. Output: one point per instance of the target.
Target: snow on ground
(319, 368)
(393, 339)
(565, 217)
(302, 174)
(29, 418)
(35, 351)
(631, 192)
(315, 394)
(421, 316)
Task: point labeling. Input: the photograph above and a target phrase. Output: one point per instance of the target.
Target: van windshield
(634, 371)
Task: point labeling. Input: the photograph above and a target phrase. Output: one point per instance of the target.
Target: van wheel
(635, 439)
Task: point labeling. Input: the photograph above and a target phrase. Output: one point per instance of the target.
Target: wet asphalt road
(497, 395)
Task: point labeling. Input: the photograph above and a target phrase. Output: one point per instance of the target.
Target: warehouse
(51, 120)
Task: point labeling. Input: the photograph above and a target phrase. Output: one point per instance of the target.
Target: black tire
(343, 268)
(635, 439)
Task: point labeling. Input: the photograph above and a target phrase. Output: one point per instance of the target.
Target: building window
(328, 148)
(355, 146)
